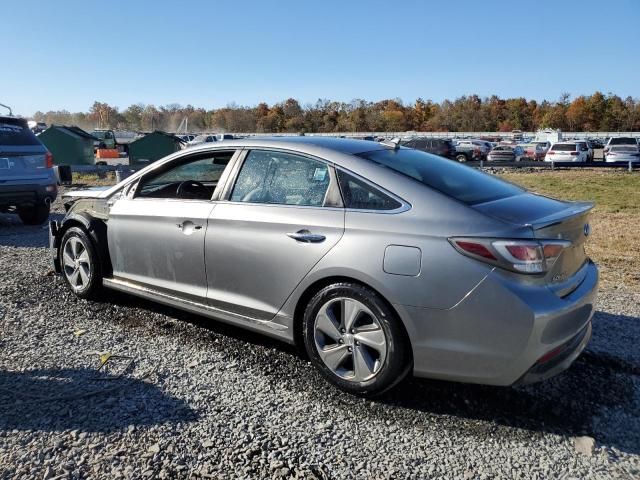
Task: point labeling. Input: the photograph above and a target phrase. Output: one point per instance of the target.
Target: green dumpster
(69, 145)
(152, 147)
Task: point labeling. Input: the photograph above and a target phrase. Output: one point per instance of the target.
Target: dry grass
(94, 179)
(615, 221)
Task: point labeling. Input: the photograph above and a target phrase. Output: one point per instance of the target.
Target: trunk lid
(550, 219)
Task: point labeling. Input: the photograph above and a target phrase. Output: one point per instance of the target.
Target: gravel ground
(199, 399)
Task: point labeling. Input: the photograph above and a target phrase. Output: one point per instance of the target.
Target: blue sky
(66, 54)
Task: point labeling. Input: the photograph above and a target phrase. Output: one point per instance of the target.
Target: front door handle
(188, 227)
(306, 236)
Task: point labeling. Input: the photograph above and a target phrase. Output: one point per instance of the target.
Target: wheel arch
(97, 231)
(308, 293)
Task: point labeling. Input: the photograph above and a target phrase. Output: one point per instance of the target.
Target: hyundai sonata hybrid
(377, 260)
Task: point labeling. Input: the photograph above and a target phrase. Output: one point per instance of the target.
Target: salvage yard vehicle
(467, 150)
(502, 153)
(568, 152)
(613, 141)
(437, 146)
(623, 153)
(378, 260)
(28, 182)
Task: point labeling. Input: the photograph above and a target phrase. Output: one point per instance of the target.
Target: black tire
(34, 215)
(461, 157)
(92, 287)
(398, 360)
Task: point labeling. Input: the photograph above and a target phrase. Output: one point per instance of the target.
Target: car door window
(362, 196)
(281, 178)
(194, 179)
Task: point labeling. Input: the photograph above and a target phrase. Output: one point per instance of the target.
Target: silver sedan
(378, 260)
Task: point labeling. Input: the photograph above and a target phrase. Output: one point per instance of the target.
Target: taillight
(523, 256)
(49, 160)
(551, 153)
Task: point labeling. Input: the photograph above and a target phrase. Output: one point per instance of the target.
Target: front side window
(194, 179)
(362, 196)
(281, 178)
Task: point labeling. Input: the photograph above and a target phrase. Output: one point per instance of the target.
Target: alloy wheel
(349, 339)
(76, 263)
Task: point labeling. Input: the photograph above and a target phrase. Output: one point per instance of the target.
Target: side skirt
(266, 327)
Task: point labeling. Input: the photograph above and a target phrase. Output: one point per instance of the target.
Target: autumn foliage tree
(596, 112)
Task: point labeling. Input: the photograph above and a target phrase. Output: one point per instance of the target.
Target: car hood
(93, 192)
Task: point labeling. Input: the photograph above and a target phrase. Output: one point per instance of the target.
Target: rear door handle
(306, 236)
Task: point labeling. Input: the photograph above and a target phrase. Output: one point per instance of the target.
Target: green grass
(612, 191)
(615, 240)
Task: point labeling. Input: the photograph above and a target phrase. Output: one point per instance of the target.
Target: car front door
(282, 214)
(156, 230)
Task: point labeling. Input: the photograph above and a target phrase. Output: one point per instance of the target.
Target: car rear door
(279, 217)
(156, 234)
(23, 158)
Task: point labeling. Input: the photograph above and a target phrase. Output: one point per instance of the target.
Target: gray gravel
(204, 400)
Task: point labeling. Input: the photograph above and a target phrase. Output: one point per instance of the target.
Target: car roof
(309, 145)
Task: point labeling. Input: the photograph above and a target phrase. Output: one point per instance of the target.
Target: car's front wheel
(34, 214)
(80, 263)
(461, 157)
(355, 340)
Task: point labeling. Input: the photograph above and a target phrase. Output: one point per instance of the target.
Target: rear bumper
(499, 332)
(27, 194)
(563, 357)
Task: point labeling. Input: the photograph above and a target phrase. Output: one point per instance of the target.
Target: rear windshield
(463, 183)
(623, 141)
(565, 147)
(624, 148)
(15, 132)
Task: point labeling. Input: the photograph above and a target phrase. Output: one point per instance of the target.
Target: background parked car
(618, 141)
(568, 152)
(437, 146)
(623, 153)
(467, 150)
(502, 153)
(27, 181)
(202, 139)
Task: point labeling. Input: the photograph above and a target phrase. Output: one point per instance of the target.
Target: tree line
(596, 112)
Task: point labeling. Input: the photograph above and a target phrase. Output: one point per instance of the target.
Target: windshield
(463, 183)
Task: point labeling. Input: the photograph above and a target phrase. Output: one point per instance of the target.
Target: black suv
(437, 146)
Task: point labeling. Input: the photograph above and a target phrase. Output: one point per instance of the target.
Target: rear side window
(281, 178)
(359, 195)
(564, 147)
(458, 181)
(15, 132)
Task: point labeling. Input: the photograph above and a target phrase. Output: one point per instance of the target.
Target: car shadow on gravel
(77, 399)
(14, 234)
(570, 404)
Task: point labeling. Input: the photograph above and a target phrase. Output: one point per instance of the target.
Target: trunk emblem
(587, 229)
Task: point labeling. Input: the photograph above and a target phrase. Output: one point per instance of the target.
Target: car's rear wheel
(80, 263)
(355, 340)
(34, 214)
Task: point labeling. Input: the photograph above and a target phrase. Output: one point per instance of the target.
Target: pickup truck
(113, 139)
(467, 150)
